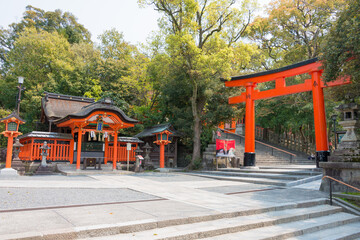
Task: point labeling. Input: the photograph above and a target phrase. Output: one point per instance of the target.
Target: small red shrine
(82, 128)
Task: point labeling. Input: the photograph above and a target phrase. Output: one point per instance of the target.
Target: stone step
(345, 232)
(276, 182)
(293, 229)
(275, 171)
(235, 224)
(256, 175)
(258, 179)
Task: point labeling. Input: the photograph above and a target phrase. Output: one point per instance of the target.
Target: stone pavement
(41, 205)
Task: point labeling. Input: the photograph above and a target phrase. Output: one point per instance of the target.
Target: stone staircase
(270, 176)
(265, 156)
(313, 219)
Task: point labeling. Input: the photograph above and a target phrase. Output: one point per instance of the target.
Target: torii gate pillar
(321, 139)
(249, 155)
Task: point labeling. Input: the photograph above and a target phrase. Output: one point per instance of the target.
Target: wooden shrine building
(170, 150)
(81, 128)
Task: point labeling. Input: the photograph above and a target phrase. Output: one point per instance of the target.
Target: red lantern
(162, 139)
(12, 123)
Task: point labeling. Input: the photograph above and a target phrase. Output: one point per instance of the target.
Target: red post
(71, 153)
(319, 119)
(9, 152)
(78, 156)
(106, 150)
(162, 155)
(115, 149)
(249, 155)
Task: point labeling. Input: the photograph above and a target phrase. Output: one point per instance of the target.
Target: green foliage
(201, 45)
(293, 30)
(65, 24)
(123, 69)
(341, 50)
(48, 62)
(3, 113)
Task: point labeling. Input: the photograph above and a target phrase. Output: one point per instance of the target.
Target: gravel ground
(23, 198)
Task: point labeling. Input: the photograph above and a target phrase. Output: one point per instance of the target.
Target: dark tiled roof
(101, 105)
(296, 65)
(47, 135)
(129, 139)
(157, 129)
(56, 106)
(13, 114)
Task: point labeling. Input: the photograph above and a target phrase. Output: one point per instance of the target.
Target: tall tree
(64, 23)
(122, 70)
(293, 30)
(200, 37)
(341, 50)
(49, 63)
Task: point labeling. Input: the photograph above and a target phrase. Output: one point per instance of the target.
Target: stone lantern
(344, 163)
(147, 161)
(350, 122)
(17, 164)
(138, 158)
(44, 169)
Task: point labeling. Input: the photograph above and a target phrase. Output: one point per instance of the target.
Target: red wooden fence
(121, 153)
(60, 150)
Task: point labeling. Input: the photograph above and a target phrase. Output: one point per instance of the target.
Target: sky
(96, 15)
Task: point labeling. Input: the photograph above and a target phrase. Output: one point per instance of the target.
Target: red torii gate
(315, 84)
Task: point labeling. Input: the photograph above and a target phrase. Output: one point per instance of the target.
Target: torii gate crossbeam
(315, 84)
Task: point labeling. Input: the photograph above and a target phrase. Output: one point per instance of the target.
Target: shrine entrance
(101, 121)
(315, 84)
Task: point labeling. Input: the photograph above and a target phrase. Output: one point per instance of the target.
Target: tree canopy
(341, 49)
(175, 77)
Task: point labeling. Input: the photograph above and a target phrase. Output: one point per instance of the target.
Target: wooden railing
(334, 179)
(60, 150)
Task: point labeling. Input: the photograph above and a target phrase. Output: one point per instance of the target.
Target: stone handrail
(272, 147)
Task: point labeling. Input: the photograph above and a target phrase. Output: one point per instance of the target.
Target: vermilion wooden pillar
(162, 155)
(9, 151)
(106, 149)
(115, 149)
(249, 155)
(322, 148)
(78, 156)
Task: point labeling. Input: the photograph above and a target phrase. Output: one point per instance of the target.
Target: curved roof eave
(88, 110)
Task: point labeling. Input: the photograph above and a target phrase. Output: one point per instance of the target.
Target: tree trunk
(197, 125)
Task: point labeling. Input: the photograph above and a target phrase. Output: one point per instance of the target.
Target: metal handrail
(272, 147)
(334, 179)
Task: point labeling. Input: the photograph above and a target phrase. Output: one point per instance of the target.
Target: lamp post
(20, 81)
(12, 123)
(334, 117)
(162, 139)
